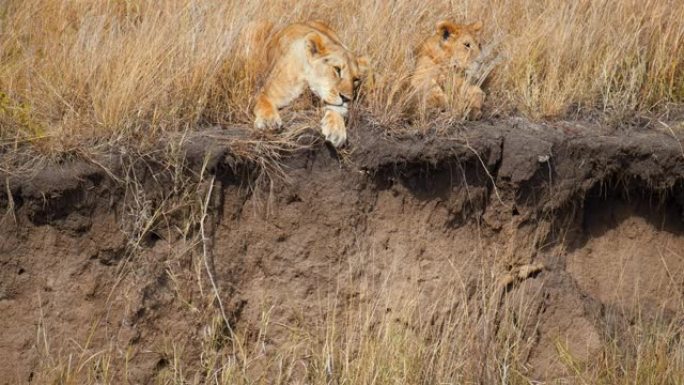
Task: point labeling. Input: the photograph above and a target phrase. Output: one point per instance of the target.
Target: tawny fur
(310, 55)
(446, 56)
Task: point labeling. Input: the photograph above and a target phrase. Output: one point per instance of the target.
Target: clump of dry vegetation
(120, 69)
(462, 338)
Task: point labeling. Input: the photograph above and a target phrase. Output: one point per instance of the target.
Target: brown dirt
(601, 214)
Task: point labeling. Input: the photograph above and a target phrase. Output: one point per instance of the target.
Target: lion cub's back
(284, 39)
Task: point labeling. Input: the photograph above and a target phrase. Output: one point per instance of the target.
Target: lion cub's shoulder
(297, 31)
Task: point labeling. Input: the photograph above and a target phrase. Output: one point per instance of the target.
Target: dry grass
(460, 339)
(121, 69)
(463, 338)
(645, 352)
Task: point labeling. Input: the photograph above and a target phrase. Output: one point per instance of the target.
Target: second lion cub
(441, 63)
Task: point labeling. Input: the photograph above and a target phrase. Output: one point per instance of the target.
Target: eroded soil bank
(585, 230)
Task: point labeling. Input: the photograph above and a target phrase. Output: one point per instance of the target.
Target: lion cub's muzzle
(344, 104)
(342, 109)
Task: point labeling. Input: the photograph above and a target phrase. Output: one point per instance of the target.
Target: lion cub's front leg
(266, 113)
(475, 98)
(273, 97)
(332, 125)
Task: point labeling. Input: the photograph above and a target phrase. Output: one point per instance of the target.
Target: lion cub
(442, 61)
(310, 55)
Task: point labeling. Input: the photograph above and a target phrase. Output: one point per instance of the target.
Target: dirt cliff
(579, 229)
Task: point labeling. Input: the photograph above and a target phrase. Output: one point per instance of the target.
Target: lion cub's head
(454, 45)
(334, 73)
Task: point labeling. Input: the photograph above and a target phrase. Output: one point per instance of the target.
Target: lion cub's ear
(476, 26)
(315, 44)
(363, 64)
(445, 29)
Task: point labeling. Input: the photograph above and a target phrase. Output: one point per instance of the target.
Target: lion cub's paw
(332, 127)
(272, 122)
(337, 139)
(474, 114)
(266, 115)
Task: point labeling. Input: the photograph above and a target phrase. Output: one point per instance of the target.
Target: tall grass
(73, 70)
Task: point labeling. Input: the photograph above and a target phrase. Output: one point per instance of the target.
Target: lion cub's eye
(467, 45)
(338, 71)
